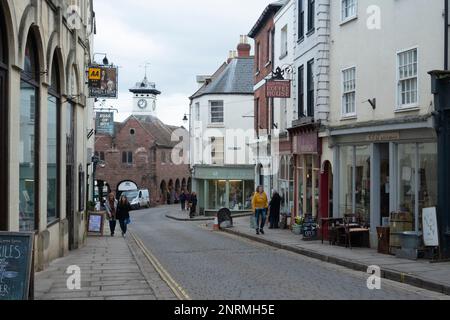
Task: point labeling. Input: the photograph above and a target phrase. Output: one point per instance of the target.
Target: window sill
(268, 64)
(300, 40)
(257, 73)
(219, 125)
(311, 32)
(408, 108)
(51, 224)
(348, 20)
(347, 117)
(284, 55)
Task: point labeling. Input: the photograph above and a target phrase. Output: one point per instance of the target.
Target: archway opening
(163, 192)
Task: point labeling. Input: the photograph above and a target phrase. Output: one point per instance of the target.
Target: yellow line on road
(173, 285)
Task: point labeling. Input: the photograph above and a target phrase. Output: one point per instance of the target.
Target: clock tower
(144, 98)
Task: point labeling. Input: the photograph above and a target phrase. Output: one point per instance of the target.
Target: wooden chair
(353, 226)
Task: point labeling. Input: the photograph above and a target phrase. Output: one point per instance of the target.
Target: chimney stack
(243, 48)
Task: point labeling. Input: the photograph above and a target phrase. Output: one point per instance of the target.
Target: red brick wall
(263, 39)
(144, 171)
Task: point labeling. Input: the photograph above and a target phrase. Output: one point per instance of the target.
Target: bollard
(216, 224)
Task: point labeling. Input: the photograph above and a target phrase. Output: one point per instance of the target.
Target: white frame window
(216, 112)
(197, 111)
(284, 41)
(348, 9)
(217, 150)
(349, 92)
(407, 78)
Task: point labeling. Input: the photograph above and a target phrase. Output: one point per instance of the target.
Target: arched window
(53, 148)
(4, 125)
(29, 138)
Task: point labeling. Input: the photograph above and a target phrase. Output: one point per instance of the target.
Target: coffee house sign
(278, 89)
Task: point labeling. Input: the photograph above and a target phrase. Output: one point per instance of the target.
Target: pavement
(421, 273)
(111, 269)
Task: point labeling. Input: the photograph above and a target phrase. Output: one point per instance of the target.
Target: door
(4, 151)
(70, 179)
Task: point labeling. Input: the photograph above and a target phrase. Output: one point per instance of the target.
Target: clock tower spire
(144, 97)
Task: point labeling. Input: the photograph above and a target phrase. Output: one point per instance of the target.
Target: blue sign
(104, 124)
(16, 252)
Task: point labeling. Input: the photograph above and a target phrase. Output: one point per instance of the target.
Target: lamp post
(105, 59)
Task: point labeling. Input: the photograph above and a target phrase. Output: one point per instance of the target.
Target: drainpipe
(446, 35)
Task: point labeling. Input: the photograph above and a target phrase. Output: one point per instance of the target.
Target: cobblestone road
(211, 265)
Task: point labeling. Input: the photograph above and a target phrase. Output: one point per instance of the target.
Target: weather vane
(145, 66)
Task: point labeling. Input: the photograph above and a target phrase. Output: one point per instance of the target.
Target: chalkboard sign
(96, 222)
(16, 253)
(309, 228)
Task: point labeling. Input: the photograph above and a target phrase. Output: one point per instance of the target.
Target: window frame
(311, 26)
(216, 123)
(301, 91)
(301, 20)
(344, 113)
(197, 111)
(284, 42)
(213, 143)
(398, 106)
(310, 88)
(350, 17)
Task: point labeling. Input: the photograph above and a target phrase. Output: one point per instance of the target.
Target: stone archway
(184, 185)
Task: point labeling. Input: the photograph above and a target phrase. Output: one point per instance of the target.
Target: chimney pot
(243, 48)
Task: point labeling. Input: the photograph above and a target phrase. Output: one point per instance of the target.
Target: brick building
(142, 153)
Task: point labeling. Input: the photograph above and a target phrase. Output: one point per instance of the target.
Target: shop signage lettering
(383, 137)
(16, 251)
(278, 89)
(103, 82)
(105, 123)
(307, 143)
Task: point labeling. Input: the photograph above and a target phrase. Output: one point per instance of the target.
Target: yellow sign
(94, 73)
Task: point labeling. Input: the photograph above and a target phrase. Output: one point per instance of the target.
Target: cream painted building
(45, 118)
(381, 128)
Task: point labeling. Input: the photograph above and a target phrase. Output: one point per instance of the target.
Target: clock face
(142, 103)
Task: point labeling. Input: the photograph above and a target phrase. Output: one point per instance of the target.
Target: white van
(138, 198)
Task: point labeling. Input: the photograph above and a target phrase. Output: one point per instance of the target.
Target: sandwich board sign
(430, 227)
(16, 265)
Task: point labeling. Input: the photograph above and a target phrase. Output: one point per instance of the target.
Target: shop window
(236, 194)
(346, 156)
(29, 129)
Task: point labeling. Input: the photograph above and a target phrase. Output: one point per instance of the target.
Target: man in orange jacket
(260, 204)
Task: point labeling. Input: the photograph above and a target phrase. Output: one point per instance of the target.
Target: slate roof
(234, 78)
(161, 131)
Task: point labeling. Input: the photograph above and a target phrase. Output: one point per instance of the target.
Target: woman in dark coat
(275, 205)
(123, 214)
(193, 207)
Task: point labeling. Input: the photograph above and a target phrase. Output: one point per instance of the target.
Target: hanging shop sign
(306, 143)
(104, 123)
(278, 89)
(16, 260)
(103, 82)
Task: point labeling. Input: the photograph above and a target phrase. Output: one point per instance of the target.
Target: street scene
(289, 150)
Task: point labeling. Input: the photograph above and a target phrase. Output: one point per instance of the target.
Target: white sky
(179, 38)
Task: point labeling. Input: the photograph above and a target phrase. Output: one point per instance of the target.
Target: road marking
(173, 285)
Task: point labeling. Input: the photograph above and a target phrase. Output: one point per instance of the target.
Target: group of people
(189, 202)
(118, 211)
(261, 205)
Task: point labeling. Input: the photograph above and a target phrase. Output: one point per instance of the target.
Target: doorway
(384, 181)
(326, 191)
(70, 177)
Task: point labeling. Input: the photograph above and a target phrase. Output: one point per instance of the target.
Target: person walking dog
(260, 203)
(123, 214)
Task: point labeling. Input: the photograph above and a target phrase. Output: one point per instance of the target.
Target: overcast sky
(179, 38)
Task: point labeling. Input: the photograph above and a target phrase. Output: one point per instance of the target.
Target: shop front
(306, 150)
(229, 187)
(379, 172)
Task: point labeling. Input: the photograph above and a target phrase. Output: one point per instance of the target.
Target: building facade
(144, 153)
(381, 128)
(45, 115)
(221, 126)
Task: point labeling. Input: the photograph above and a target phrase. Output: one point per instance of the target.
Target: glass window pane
(221, 194)
(345, 180)
(27, 178)
(362, 187)
(406, 183)
(249, 190)
(236, 195)
(52, 164)
(212, 203)
(428, 177)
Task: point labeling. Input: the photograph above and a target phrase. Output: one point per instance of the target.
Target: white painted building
(381, 125)
(221, 124)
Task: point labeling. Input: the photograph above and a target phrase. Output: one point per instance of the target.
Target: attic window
(132, 132)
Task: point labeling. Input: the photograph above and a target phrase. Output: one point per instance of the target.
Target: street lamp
(105, 59)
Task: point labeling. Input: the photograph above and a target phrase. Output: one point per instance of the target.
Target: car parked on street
(138, 198)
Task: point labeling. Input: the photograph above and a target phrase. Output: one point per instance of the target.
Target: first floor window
(197, 111)
(217, 150)
(348, 9)
(127, 157)
(349, 91)
(407, 78)
(216, 112)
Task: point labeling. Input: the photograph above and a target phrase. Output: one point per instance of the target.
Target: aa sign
(94, 73)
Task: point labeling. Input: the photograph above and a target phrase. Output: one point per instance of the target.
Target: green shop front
(229, 187)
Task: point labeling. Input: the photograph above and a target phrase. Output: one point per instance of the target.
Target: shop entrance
(384, 181)
(326, 191)
(3, 128)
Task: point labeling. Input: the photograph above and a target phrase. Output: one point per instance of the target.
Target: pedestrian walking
(193, 205)
(111, 210)
(260, 203)
(183, 200)
(123, 214)
(274, 209)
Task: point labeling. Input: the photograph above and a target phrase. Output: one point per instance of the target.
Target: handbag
(128, 221)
